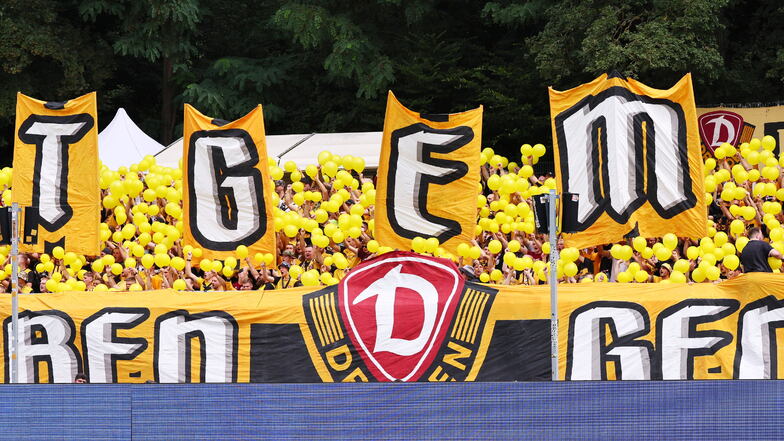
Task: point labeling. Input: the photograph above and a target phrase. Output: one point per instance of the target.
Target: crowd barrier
(677, 410)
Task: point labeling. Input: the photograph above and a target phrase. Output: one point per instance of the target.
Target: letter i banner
(632, 155)
(428, 174)
(55, 179)
(227, 190)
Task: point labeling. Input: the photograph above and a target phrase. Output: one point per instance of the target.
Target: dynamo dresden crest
(399, 317)
(719, 127)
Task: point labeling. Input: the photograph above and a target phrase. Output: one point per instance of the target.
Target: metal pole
(553, 285)
(14, 292)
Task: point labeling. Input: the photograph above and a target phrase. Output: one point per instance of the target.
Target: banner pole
(14, 292)
(553, 285)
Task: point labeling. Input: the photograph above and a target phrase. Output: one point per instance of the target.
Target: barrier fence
(679, 410)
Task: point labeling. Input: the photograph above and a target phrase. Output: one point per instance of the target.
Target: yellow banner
(55, 178)
(477, 332)
(449, 330)
(701, 331)
(227, 191)
(427, 176)
(753, 122)
(632, 156)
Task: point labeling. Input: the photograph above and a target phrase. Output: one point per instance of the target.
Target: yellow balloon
(116, 269)
(641, 276)
(179, 285)
(148, 260)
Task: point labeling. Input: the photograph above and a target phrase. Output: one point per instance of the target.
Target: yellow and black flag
(55, 177)
(631, 154)
(427, 176)
(227, 191)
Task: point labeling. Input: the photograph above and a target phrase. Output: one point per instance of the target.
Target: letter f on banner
(427, 176)
(227, 199)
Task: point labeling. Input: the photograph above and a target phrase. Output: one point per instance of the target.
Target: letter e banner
(226, 196)
(632, 154)
(427, 176)
(55, 175)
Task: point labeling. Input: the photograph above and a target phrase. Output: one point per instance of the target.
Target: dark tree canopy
(325, 65)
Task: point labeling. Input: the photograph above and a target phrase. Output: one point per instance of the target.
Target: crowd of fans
(324, 226)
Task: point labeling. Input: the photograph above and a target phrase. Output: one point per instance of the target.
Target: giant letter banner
(403, 317)
(227, 199)
(632, 155)
(55, 175)
(427, 176)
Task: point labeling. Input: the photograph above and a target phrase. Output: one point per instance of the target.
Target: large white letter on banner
(101, 346)
(52, 135)
(757, 353)
(55, 178)
(216, 333)
(46, 340)
(427, 177)
(227, 194)
(678, 341)
(588, 351)
(632, 155)
(224, 182)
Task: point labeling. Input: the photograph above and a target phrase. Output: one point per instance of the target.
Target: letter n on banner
(632, 154)
(226, 192)
(55, 177)
(427, 176)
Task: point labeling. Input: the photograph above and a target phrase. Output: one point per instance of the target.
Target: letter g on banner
(226, 188)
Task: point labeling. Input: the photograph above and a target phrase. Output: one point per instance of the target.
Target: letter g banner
(227, 201)
(427, 176)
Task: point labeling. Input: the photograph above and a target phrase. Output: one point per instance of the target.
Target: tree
(655, 41)
(48, 54)
(159, 31)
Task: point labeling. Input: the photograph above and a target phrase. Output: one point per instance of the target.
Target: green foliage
(149, 29)
(326, 65)
(640, 38)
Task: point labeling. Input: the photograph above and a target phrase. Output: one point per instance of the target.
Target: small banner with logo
(55, 179)
(632, 155)
(226, 194)
(402, 317)
(428, 174)
(736, 124)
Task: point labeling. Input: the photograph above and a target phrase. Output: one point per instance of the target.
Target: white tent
(123, 143)
(302, 149)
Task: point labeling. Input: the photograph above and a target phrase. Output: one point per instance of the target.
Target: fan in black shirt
(754, 256)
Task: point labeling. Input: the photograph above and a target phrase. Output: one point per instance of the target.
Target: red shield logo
(397, 309)
(719, 127)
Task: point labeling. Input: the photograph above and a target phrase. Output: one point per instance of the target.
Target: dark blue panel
(682, 410)
(65, 412)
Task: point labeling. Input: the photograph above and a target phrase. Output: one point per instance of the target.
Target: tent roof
(303, 149)
(123, 143)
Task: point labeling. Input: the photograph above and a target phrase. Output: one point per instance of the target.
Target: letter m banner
(632, 154)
